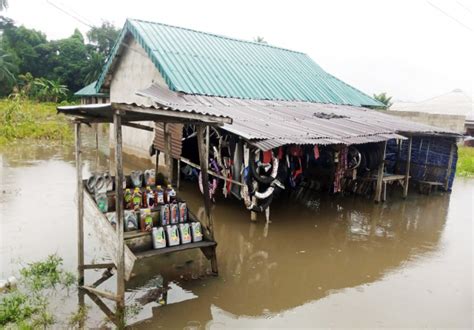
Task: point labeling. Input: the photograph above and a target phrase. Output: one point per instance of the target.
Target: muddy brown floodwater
(327, 262)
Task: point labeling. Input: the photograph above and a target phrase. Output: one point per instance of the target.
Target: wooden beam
(101, 293)
(119, 215)
(98, 266)
(173, 114)
(203, 160)
(105, 276)
(103, 307)
(379, 186)
(168, 148)
(138, 126)
(190, 163)
(80, 206)
(407, 169)
(450, 165)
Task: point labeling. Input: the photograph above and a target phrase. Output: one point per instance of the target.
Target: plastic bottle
(130, 222)
(146, 221)
(165, 214)
(127, 197)
(183, 212)
(172, 235)
(174, 213)
(136, 199)
(196, 231)
(185, 233)
(102, 202)
(170, 194)
(159, 238)
(160, 195)
(150, 198)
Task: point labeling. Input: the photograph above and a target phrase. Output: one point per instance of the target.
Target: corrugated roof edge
(129, 27)
(89, 90)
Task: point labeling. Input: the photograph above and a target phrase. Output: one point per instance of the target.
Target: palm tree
(383, 98)
(7, 67)
(56, 90)
(94, 67)
(3, 4)
(260, 40)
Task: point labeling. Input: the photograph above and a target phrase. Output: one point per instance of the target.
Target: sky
(413, 50)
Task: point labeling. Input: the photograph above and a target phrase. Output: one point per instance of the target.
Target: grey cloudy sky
(411, 49)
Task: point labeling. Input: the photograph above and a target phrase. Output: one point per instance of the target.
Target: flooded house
(294, 126)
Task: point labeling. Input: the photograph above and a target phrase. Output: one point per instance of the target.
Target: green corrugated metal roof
(89, 90)
(195, 62)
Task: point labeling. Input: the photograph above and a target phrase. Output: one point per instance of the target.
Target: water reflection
(308, 252)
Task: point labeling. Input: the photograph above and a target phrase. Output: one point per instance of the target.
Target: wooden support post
(168, 147)
(399, 156)
(157, 164)
(203, 160)
(119, 215)
(80, 207)
(178, 173)
(378, 189)
(450, 165)
(407, 169)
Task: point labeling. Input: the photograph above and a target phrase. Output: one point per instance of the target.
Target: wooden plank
(168, 156)
(119, 216)
(450, 165)
(203, 160)
(105, 276)
(190, 163)
(98, 266)
(103, 307)
(177, 248)
(378, 189)
(80, 206)
(138, 126)
(101, 293)
(407, 169)
(105, 233)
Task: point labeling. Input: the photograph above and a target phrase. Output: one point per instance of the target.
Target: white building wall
(133, 72)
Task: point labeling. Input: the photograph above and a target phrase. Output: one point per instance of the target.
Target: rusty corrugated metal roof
(202, 63)
(272, 123)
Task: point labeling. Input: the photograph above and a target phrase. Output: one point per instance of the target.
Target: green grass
(24, 119)
(465, 166)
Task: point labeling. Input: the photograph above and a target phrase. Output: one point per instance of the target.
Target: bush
(25, 119)
(465, 166)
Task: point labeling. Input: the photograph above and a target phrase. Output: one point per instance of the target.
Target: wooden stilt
(178, 173)
(80, 207)
(157, 164)
(379, 186)
(407, 169)
(168, 157)
(203, 160)
(119, 216)
(450, 165)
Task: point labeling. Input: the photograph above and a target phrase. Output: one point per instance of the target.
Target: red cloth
(267, 157)
(316, 151)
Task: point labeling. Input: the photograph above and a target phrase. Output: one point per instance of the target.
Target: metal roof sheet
(201, 63)
(273, 123)
(89, 90)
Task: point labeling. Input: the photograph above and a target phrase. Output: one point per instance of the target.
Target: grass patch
(26, 119)
(465, 166)
(27, 305)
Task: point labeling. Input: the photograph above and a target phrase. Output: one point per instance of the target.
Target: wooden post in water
(378, 189)
(450, 165)
(119, 214)
(204, 162)
(168, 147)
(407, 169)
(80, 206)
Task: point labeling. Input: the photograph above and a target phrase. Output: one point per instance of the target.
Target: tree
(8, 69)
(95, 64)
(103, 37)
(3, 5)
(260, 40)
(383, 98)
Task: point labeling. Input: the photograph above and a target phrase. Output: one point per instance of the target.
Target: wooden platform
(426, 187)
(177, 248)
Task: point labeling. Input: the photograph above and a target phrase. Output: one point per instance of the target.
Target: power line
(450, 16)
(69, 14)
(465, 7)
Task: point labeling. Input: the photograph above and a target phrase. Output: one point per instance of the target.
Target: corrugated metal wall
(176, 131)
